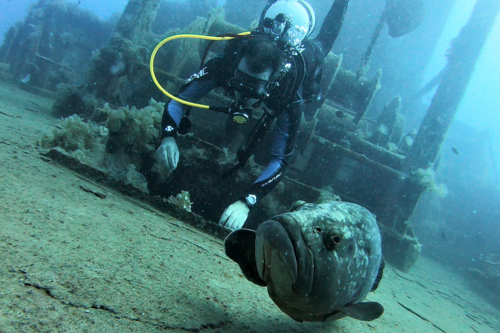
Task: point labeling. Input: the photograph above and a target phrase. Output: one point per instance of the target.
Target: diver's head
(248, 85)
(289, 21)
(260, 61)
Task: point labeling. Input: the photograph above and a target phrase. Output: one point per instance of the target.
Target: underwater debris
(182, 200)
(98, 194)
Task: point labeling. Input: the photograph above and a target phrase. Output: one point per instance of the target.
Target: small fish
(454, 150)
(26, 79)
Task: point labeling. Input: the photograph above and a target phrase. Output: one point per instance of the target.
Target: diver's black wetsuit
(299, 85)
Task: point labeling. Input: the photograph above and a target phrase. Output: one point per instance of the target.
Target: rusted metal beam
(462, 58)
(137, 19)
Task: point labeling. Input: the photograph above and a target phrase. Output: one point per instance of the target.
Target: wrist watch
(251, 200)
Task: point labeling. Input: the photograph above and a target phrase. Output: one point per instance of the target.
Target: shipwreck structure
(377, 163)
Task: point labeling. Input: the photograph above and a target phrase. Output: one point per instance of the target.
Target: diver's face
(249, 86)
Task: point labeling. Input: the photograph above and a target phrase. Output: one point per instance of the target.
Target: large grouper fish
(318, 261)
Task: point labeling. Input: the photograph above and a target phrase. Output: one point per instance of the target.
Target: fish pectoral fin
(366, 311)
(240, 247)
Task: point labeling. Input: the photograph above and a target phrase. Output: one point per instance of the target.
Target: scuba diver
(275, 67)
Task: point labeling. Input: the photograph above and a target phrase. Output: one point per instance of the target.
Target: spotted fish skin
(318, 261)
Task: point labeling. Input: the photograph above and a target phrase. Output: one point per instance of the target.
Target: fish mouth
(283, 258)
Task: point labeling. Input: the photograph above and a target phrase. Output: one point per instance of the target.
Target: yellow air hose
(166, 40)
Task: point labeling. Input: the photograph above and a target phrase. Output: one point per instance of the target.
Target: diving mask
(248, 86)
(248, 90)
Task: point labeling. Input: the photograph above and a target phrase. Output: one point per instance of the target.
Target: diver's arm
(269, 178)
(287, 129)
(284, 141)
(211, 76)
(191, 92)
(237, 213)
(331, 26)
(167, 154)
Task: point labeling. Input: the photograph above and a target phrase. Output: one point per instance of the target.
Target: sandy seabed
(73, 262)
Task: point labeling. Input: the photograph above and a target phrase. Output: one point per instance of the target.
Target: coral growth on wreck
(117, 141)
(182, 200)
(427, 178)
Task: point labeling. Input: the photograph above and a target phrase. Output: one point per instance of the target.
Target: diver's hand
(235, 215)
(168, 153)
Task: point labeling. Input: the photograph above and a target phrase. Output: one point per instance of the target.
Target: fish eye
(333, 239)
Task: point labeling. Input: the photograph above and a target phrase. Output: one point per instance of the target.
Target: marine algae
(117, 141)
(81, 139)
(427, 177)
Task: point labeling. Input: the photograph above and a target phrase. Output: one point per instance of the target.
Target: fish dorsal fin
(365, 311)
